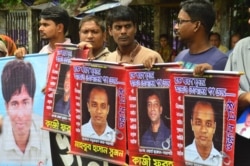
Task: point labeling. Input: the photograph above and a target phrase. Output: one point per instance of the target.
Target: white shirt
(37, 150)
(192, 156)
(88, 132)
(242, 130)
(47, 49)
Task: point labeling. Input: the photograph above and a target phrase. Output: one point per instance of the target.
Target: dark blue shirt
(150, 139)
(62, 107)
(212, 56)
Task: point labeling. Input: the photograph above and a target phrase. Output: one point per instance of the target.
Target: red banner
(98, 124)
(148, 115)
(203, 115)
(57, 99)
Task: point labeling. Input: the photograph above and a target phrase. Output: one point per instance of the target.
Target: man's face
(48, 29)
(98, 107)
(123, 32)
(185, 28)
(214, 40)
(67, 83)
(19, 109)
(163, 42)
(90, 32)
(234, 40)
(154, 108)
(203, 126)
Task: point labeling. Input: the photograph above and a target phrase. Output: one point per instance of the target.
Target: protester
(239, 61)
(122, 26)
(92, 34)
(195, 20)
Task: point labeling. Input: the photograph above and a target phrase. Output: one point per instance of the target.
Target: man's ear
(108, 109)
(191, 122)
(88, 106)
(60, 27)
(110, 31)
(197, 26)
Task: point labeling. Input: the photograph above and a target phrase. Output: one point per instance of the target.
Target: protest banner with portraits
(98, 111)
(57, 99)
(204, 112)
(148, 114)
(22, 141)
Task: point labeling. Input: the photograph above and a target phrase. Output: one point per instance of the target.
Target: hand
(44, 90)
(86, 45)
(20, 52)
(149, 61)
(200, 69)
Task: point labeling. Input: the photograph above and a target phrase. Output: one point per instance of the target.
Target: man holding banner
(22, 141)
(239, 61)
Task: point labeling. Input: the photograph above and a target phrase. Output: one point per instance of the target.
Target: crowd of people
(204, 52)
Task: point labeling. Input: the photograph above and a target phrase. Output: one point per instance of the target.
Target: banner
(57, 100)
(204, 111)
(22, 142)
(98, 122)
(148, 114)
(243, 124)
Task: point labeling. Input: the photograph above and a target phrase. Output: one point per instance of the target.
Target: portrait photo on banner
(39, 63)
(243, 124)
(22, 82)
(154, 118)
(204, 125)
(62, 95)
(98, 113)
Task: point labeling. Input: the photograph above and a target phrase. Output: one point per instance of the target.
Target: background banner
(204, 111)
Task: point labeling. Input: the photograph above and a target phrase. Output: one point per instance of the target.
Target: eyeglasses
(180, 21)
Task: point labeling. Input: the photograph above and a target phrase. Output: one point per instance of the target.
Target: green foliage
(9, 3)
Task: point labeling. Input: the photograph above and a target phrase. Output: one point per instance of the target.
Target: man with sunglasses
(195, 20)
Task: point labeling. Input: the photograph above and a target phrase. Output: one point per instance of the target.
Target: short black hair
(156, 93)
(57, 15)
(15, 74)
(98, 20)
(101, 89)
(121, 13)
(203, 103)
(200, 10)
(215, 34)
(163, 36)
